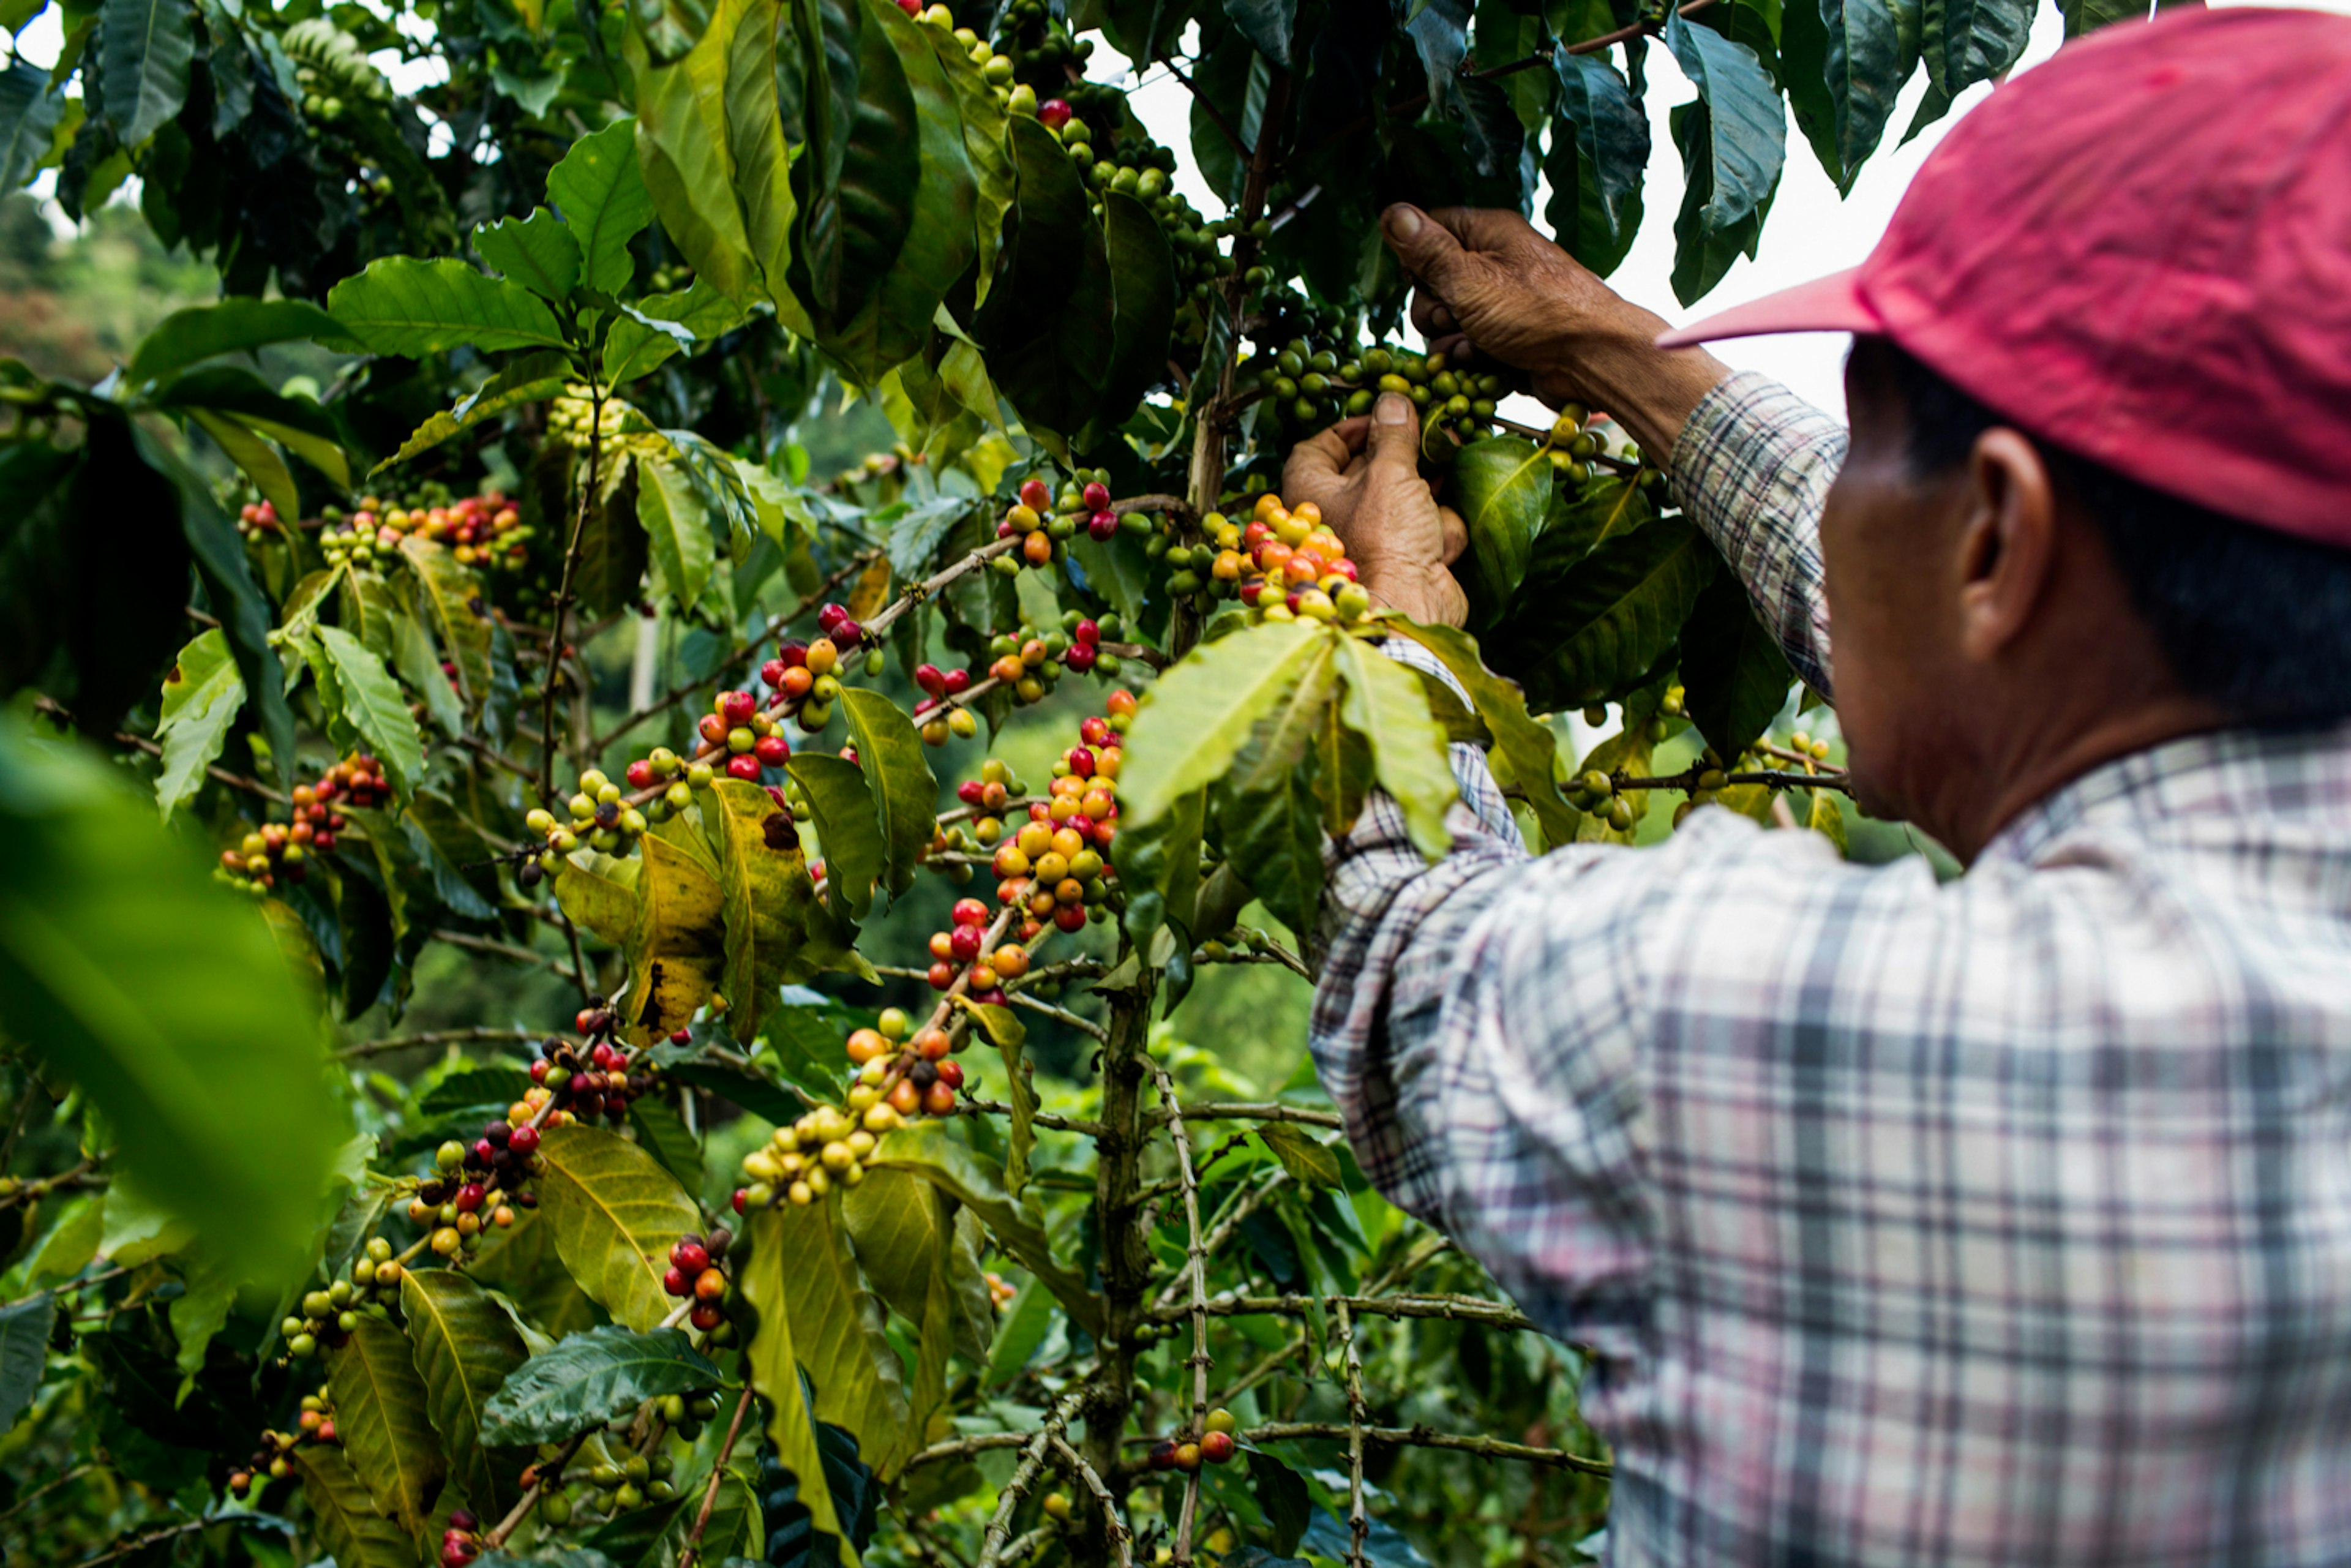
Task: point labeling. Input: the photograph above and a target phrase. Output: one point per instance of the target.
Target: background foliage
(484, 431)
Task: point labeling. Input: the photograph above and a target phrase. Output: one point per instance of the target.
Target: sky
(1811, 230)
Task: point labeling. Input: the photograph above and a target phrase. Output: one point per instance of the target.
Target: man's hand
(1490, 282)
(1364, 475)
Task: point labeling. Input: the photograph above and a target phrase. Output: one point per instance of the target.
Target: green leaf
(928, 1152)
(905, 792)
(383, 1421)
(197, 1314)
(298, 424)
(1267, 25)
(1611, 133)
(2088, 16)
(460, 612)
(903, 1232)
(1201, 711)
(410, 307)
(1865, 65)
(838, 1331)
(30, 107)
(1276, 831)
(227, 575)
(159, 994)
(682, 145)
(986, 126)
(534, 378)
(1735, 676)
(599, 893)
(767, 896)
(1804, 65)
(659, 1129)
(1003, 1026)
(201, 699)
(806, 1042)
(1050, 309)
(253, 453)
(1143, 304)
(1963, 42)
(464, 1348)
(856, 181)
(669, 507)
(768, 1101)
(1308, 1162)
(602, 195)
(483, 1087)
(646, 338)
(755, 141)
(234, 325)
(23, 1353)
(676, 947)
(1386, 705)
(348, 1525)
(374, 705)
(1525, 754)
(590, 1378)
(940, 240)
(146, 49)
(521, 1262)
(1609, 620)
(1747, 126)
(1502, 487)
(616, 1214)
(538, 252)
(775, 1360)
(70, 1244)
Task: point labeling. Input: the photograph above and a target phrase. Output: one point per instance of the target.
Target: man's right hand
(1490, 282)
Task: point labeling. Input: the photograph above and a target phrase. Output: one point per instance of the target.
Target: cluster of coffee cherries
(1214, 1443)
(1053, 866)
(1045, 521)
(329, 1314)
(485, 530)
(258, 517)
(596, 815)
(802, 1162)
(1285, 564)
(695, 1269)
(961, 952)
(461, 1538)
(1307, 388)
(274, 1459)
(583, 1081)
(275, 849)
(629, 1484)
(474, 1187)
(939, 715)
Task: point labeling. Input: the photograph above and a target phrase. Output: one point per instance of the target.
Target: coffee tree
(767, 1244)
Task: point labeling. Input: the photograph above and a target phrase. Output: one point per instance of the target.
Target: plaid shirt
(2005, 1221)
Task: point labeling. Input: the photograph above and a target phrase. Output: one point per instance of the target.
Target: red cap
(2140, 251)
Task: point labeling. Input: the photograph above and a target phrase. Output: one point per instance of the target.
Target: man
(2001, 1221)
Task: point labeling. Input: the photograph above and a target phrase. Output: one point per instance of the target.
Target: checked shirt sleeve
(1752, 467)
(1388, 916)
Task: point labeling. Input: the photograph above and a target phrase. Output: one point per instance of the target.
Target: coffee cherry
(1216, 1447)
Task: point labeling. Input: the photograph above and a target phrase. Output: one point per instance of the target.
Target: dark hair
(2252, 620)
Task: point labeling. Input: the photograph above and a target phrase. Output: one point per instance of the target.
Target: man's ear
(2007, 542)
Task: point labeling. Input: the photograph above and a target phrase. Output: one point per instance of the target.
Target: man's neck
(2050, 755)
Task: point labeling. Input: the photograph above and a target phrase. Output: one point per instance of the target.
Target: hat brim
(1831, 304)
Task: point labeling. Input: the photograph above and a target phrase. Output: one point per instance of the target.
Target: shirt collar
(2299, 772)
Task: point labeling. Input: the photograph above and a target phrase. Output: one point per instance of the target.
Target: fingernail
(1403, 222)
(1392, 409)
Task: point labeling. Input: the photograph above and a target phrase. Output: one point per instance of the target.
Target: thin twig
(750, 645)
(152, 1538)
(1422, 1438)
(718, 1474)
(45, 1488)
(516, 1034)
(551, 1470)
(1197, 1260)
(1359, 1523)
(50, 708)
(1112, 1526)
(1262, 1111)
(1216, 115)
(563, 591)
(1024, 1476)
(1453, 1308)
(495, 949)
